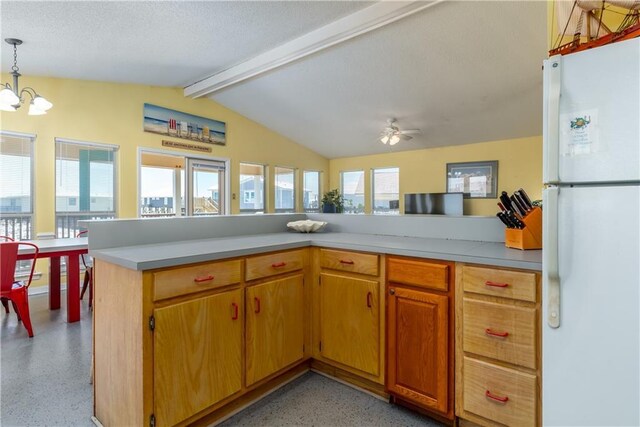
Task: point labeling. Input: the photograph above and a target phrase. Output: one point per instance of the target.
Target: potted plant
(332, 202)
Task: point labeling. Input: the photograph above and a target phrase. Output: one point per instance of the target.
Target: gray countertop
(160, 255)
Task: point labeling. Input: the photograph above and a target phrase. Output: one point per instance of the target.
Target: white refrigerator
(591, 238)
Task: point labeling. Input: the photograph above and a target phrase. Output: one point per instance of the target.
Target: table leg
(54, 283)
(73, 288)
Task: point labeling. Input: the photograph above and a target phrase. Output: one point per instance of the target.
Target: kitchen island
(196, 317)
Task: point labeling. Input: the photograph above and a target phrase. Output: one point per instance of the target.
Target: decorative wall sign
(186, 146)
(477, 180)
(183, 125)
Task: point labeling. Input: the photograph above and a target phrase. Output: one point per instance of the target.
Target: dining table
(54, 249)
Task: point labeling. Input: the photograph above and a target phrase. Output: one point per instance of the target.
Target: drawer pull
(496, 284)
(488, 331)
(203, 279)
(491, 396)
(234, 315)
(278, 264)
(346, 261)
(256, 301)
(369, 296)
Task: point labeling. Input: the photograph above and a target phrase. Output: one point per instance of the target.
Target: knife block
(530, 237)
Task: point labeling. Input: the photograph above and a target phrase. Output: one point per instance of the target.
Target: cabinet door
(275, 321)
(350, 322)
(418, 348)
(197, 355)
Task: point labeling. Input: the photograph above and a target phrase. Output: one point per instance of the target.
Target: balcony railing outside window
(16, 226)
(67, 223)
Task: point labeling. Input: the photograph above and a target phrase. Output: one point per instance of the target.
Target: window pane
(386, 191)
(85, 176)
(157, 195)
(284, 190)
(251, 187)
(16, 170)
(352, 189)
(311, 195)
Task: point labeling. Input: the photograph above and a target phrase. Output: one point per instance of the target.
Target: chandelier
(11, 98)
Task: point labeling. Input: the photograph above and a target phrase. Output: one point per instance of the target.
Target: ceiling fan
(391, 134)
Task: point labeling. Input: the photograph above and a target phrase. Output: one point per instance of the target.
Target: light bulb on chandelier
(11, 97)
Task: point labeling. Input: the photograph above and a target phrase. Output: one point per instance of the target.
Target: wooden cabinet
(419, 333)
(274, 326)
(273, 264)
(350, 322)
(197, 353)
(498, 346)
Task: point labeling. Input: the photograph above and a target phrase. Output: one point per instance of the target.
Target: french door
(172, 185)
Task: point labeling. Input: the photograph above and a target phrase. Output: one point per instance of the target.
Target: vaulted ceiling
(462, 72)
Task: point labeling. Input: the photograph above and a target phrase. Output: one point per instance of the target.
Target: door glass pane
(284, 189)
(160, 194)
(311, 191)
(207, 187)
(252, 194)
(386, 191)
(352, 186)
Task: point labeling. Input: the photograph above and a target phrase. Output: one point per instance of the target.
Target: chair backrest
(8, 260)
(7, 239)
(84, 261)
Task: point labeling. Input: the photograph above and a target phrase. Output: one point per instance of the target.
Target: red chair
(88, 275)
(12, 290)
(5, 302)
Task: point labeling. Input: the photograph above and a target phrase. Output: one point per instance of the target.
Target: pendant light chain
(15, 58)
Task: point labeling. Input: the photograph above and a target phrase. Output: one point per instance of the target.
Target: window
(252, 187)
(311, 191)
(85, 184)
(386, 191)
(352, 189)
(16, 185)
(285, 189)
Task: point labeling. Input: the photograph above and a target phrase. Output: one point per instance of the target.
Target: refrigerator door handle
(553, 75)
(551, 277)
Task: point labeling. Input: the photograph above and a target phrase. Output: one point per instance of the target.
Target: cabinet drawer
(273, 264)
(500, 394)
(353, 262)
(424, 274)
(186, 280)
(500, 283)
(500, 331)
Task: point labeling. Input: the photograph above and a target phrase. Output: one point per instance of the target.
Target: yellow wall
(424, 171)
(112, 113)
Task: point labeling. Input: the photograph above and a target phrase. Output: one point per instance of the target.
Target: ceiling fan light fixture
(394, 139)
(384, 139)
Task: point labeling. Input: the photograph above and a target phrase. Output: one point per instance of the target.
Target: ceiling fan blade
(405, 137)
(410, 131)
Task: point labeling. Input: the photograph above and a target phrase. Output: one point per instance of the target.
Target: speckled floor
(44, 381)
(314, 400)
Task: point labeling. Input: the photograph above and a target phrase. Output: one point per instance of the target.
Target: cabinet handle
(278, 264)
(346, 261)
(488, 331)
(234, 306)
(203, 279)
(369, 296)
(495, 284)
(491, 396)
(256, 301)
(392, 291)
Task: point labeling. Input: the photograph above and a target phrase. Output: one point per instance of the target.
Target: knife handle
(502, 218)
(526, 198)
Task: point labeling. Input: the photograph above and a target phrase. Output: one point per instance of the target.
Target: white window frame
(373, 191)
(275, 192)
(265, 188)
(304, 171)
(342, 189)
